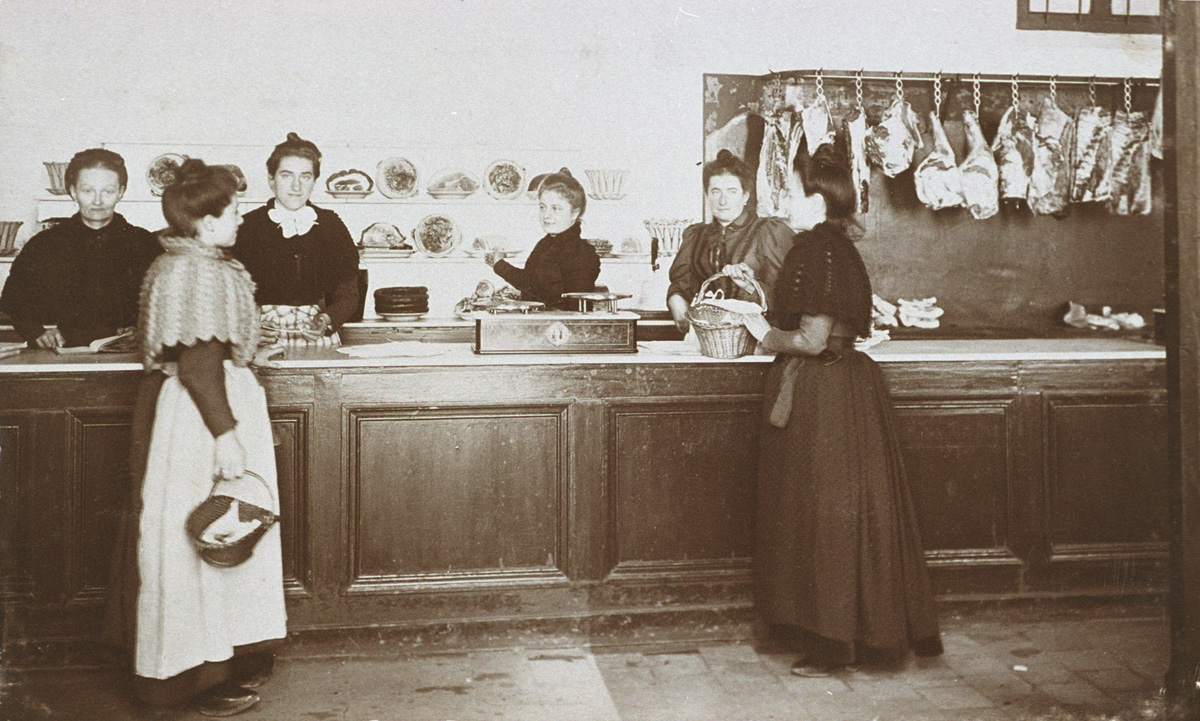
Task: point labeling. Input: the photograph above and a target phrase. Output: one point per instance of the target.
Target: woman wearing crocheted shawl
(839, 569)
(197, 631)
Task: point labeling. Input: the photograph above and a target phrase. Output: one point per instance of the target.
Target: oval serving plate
(504, 180)
(436, 235)
(162, 170)
(452, 183)
(402, 316)
(397, 178)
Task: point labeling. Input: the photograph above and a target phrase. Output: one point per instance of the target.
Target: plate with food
(504, 180)
(436, 236)
(350, 183)
(629, 248)
(452, 183)
(402, 316)
(383, 235)
(481, 245)
(162, 171)
(397, 178)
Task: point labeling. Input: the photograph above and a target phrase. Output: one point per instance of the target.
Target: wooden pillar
(1181, 156)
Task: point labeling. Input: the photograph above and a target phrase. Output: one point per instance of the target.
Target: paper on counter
(395, 348)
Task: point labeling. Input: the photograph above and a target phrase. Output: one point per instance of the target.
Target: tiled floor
(1094, 669)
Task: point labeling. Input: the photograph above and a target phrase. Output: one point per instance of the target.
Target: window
(1090, 16)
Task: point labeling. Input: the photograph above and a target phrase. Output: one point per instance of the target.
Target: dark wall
(1014, 271)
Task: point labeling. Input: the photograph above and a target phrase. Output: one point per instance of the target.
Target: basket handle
(758, 288)
(247, 472)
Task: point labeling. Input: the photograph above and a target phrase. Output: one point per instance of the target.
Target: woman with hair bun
(562, 261)
(301, 257)
(838, 564)
(735, 236)
(197, 632)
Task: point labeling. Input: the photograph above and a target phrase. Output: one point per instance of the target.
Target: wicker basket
(226, 555)
(718, 336)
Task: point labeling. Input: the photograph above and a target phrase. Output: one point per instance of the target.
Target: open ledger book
(122, 343)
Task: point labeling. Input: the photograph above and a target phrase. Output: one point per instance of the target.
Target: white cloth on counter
(408, 348)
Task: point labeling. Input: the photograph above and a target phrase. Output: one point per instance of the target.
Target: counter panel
(429, 494)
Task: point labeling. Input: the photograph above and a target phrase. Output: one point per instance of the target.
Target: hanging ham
(1091, 177)
(1013, 148)
(980, 177)
(891, 143)
(773, 166)
(1050, 181)
(1156, 128)
(939, 184)
(1130, 143)
(818, 128)
(855, 129)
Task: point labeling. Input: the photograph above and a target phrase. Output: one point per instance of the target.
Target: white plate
(358, 194)
(480, 253)
(162, 171)
(402, 316)
(439, 194)
(388, 252)
(436, 245)
(518, 186)
(390, 181)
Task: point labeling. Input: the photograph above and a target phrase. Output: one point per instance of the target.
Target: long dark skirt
(838, 558)
(120, 619)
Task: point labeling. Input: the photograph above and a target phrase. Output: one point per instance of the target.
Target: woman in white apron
(301, 257)
(200, 632)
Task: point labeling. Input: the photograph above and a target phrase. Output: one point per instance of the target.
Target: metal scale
(525, 327)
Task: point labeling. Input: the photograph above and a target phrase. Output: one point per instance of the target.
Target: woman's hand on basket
(742, 275)
(229, 458)
(757, 325)
(318, 328)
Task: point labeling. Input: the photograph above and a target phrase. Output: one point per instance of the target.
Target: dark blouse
(823, 274)
(760, 243)
(83, 280)
(563, 263)
(317, 268)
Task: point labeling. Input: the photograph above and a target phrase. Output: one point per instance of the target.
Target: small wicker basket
(236, 552)
(720, 337)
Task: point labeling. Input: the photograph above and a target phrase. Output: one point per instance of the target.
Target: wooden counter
(463, 489)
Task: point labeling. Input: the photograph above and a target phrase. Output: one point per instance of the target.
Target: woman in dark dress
(838, 561)
(301, 257)
(735, 236)
(562, 261)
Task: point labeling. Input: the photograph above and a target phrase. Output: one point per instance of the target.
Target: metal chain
(975, 94)
(1128, 96)
(900, 85)
(937, 94)
(820, 85)
(858, 88)
(1016, 92)
(1092, 91)
(1054, 89)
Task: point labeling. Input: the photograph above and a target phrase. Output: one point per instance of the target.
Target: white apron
(189, 612)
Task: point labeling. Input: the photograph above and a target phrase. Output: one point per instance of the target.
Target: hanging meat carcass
(774, 168)
(1013, 148)
(980, 177)
(854, 127)
(1130, 143)
(891, 143)
(939, 184)
(817, 125)
(1091, 174)
(1050, 181)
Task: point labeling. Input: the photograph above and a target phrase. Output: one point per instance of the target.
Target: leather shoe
(226, 699)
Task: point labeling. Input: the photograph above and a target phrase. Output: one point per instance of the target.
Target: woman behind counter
(561, 262)
(838, 561)
(197, 632)
(735, 235)
(301, 257)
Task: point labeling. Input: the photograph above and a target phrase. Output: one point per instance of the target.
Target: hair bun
(565, 171)
(294, 138)
(190, 169)
(725, 154)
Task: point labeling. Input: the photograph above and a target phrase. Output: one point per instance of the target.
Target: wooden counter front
(465, 489)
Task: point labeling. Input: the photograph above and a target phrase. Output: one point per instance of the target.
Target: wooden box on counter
(556, 332)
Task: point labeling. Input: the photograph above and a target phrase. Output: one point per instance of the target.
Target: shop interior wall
(618, 82)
